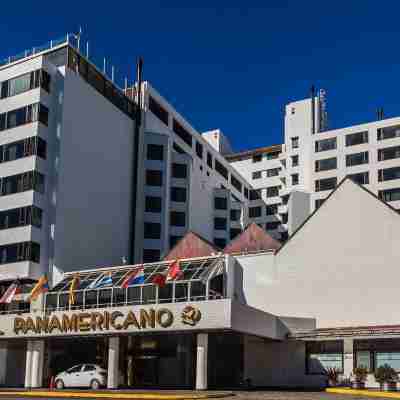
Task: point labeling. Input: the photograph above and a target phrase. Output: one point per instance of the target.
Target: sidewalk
(366, 393)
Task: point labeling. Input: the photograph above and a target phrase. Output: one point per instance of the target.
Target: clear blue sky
(234, 64)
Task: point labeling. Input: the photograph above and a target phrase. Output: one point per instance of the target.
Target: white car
(82, 375)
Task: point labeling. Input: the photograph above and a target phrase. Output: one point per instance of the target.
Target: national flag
(160, 278)
(135, 277)
(174, 271)
(73, 286)
(41, 286)
(101, 281)
(9, 294)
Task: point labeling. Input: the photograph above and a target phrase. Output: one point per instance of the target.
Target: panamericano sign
(104, 321)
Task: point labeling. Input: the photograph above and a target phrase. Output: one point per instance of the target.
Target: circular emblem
(190, 315)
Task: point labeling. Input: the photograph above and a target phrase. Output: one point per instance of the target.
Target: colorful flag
(135, 277)
(101, 281)
(9, 294)
(74, 285)
(160, 279)
(41, 286)
(174, 271)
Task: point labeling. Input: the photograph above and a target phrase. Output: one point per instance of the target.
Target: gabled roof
(324, 204)
(252, 239)
(190, 246)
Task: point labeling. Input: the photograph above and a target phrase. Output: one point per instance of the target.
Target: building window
(220, 203)
(388, 174)
(236, 183)
(220, 242)
(323, 355)
(182, 132)
(257, 158)
(155, 152)
(389, 153)
(295, 142)
(234, 232)
(158, 110)
(178, 194)
(178, 149)
(209, 160)
(25, 251)
(256, 175)
(325, 184)
(151, 255)
(295, 179)
(389, 194)
(273, 191)
(23, 148)
(24, 216)
(273, 155)
(153, 204)
(271, 226)
(179, 171)
(220, 224)
(357, 138)
(24, 115)
(199, 150)
(325, 144)
(221, 169)
(318, 203)
(295, 161)
(246, 192)
(153, 177)
(173, 240)
(325, 164)
(361, 178)
(285, 218)
(255, 194)
(272, 209)
(32, 180)
(177, 218)
(273, 172)
(235, 215)
(254, 212)
(389, 132)
(152, 230)
(357, 159)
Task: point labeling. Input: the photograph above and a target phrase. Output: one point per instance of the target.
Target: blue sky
(233, 64)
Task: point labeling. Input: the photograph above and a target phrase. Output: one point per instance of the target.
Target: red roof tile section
(252, 239)
(191, 246)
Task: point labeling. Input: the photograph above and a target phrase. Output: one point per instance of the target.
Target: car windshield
(76, 368)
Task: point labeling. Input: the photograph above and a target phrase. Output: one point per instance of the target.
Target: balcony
(282, 209)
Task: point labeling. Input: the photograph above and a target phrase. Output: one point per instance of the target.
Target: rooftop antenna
(104, 66)
(312, 109)
(126, 84)
(112, 73)
(78, 38)
(87, 50)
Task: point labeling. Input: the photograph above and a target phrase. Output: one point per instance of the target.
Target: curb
(367, 393)
(115, 395)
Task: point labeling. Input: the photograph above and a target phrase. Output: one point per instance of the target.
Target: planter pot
(358, 385)
(389, 386)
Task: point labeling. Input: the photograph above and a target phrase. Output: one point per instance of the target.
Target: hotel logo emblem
(190, 315)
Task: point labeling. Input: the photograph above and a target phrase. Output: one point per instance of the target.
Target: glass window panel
(19, 85)
(319, 363)
(363, 359)
(392, 359)
(134, 295)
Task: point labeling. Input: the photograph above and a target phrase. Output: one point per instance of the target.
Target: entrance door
(147, 370)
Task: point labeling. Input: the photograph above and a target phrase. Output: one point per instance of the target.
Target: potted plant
(333, 376)
(360, 376)
(387, 377)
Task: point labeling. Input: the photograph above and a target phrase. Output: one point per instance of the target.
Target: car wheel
(59, 384)
(95, 384)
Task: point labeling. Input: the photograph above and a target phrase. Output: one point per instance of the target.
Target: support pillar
(348, 354)
(37, 364)
(28, 364)
(201, 361)
(113, 363)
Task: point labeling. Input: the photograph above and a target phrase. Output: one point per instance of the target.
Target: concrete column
(348, 352)
(113, 363)
(201, 362)
(28, 364)
(37, 363)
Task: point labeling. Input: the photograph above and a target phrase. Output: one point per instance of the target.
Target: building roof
(250, 153)
(252, 239)
(192, 245)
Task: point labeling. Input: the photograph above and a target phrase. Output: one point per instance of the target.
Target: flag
(135, 277)
(74, 285)
(9, 294)
(160, 278)
(101, 281)
(174, 271)
(41, 286)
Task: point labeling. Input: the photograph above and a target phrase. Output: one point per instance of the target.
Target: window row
(31, 180)
(255, 212)
(25, 251)
(269, 156)
(269, 173)
(23, 216)
(272, 191)
(24, 115)
(23, 148)
(24, 83)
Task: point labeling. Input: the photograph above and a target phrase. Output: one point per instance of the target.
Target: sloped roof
(190, 246)
(252, 239)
